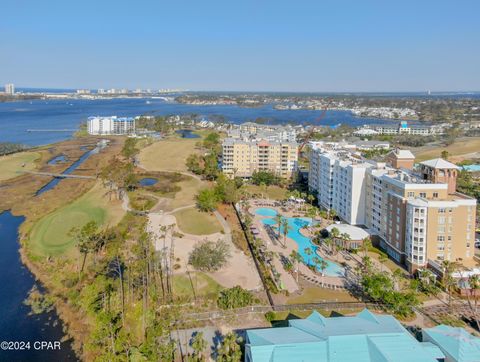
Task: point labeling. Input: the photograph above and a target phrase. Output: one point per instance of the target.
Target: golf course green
(50, 235)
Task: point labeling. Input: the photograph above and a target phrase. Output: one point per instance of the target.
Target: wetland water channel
(17, 322)
(50, 185)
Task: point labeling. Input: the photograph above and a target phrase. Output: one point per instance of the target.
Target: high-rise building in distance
(111, 125)
(10, 88)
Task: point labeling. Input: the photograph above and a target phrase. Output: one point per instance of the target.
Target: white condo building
(414, 210)
(111, 125)
(10, 88)
(339, 180)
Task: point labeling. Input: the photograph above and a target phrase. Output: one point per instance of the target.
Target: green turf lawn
(203, 284)
(316, 294)
(273, 192)
(192, 221)
(50, 235)
(186, 196)
(11, 164)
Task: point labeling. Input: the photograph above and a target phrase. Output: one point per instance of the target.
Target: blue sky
(322, 45)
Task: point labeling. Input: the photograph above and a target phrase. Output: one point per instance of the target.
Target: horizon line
(258, 91)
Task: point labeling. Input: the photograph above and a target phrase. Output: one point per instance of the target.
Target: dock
(52, 130)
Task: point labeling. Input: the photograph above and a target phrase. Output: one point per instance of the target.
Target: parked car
(477, 243)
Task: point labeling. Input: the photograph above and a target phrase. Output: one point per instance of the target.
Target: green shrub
(235, 297)
(270, 316)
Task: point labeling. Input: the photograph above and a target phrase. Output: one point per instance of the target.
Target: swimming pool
(296, 223)
(471, 168)
(266, 211)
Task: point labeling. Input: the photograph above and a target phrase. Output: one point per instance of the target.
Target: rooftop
(355, 232)
(364, 337)
(403, 153)
(439, 163)
(456, 342)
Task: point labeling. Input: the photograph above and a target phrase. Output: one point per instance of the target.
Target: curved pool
(266, 211)
(295, 224)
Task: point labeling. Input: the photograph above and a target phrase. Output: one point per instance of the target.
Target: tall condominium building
(10, 88)
(111, 125)
(242, 158)
(339, 181)
(251, 130)
(420, 218)
(417, 214)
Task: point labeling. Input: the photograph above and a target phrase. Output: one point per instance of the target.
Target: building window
(411, 194)
(423, 194)
(435, 195)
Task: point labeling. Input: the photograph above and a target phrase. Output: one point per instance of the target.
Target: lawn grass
(204, 285)
(316, 294)
(141, 201)
(192, 221)
(455, 150)
(167, 154)
(50, 235)
(375, 253)
(186, 196)
(10, 165)
(273, 192)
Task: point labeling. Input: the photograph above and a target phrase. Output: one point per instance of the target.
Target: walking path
(240, 269)
(180, 208)
(226, 228)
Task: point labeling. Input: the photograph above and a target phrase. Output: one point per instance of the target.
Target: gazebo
(355, 233)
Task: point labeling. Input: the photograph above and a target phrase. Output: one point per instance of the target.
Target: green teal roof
(364, 337)
(456, 342)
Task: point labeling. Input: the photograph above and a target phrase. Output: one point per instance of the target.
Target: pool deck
(288, 279)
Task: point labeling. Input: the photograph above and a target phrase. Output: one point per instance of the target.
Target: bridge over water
(59, 175)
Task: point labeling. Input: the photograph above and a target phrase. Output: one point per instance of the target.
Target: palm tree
(311, 213)
(382, 259)
(198, 345)
(345, 239)
(278, 220)
(303, 196)
(474, 284)
(285, 229)
(448, 281)
(367, 264)
(397, 276)
(426, 276)
(264, 188)
(331, 214)
(296, 195)
(328, 243)
(309, 252)
(297, 258)
(366, 245)
(310, 198)
(335, 235)
(322, 265)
